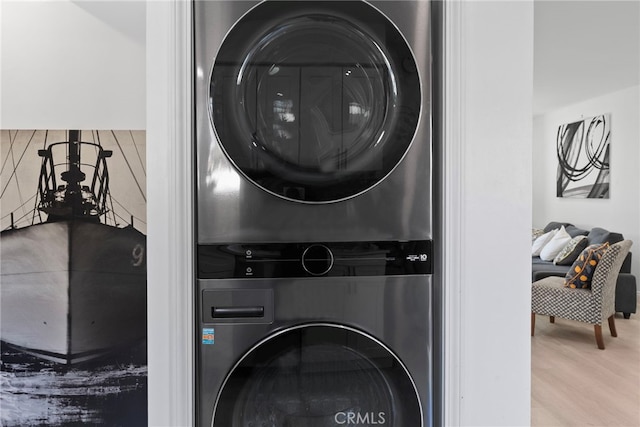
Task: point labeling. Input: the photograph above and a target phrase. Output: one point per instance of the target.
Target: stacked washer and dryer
(314, 213)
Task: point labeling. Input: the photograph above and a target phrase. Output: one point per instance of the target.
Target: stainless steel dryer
(314, 213)
(313, 121)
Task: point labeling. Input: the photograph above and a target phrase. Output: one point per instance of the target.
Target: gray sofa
(626, 285)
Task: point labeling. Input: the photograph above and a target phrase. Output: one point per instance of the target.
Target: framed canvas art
(73, 278)
(582, 149)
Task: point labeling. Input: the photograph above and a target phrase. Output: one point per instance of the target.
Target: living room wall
(621, 212)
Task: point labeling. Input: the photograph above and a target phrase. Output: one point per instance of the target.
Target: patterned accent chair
(550, 297)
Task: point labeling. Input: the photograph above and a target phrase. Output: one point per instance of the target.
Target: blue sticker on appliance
(208, 335)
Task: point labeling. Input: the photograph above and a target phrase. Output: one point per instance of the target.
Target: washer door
(315, 101)
(318, 375)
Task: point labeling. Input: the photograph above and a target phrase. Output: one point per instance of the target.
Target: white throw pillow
(555, 245)
(539, 243)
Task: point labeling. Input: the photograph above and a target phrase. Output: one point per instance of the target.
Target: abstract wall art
(582, 149)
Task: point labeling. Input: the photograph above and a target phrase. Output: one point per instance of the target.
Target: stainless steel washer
(314, 213)
(315, 352)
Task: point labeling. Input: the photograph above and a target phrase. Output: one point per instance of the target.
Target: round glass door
(318, 375)
(315, 101)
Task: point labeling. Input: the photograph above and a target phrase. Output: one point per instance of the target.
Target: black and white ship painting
(73, 278)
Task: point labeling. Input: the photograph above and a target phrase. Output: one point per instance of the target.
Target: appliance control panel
(317, 259)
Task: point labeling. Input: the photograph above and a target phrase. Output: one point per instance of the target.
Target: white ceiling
(584, 49)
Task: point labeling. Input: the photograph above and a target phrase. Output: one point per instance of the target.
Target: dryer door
(315, 101)
(318, 375)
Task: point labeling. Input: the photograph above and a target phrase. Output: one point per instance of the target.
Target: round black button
(317, 260)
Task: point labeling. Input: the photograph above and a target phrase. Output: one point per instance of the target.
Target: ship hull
(72, 290)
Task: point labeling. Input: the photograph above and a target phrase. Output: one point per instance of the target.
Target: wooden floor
(575, 384)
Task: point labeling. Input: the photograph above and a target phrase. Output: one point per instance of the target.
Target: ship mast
(74, 176)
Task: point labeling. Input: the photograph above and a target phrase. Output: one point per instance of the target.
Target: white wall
(496, 54)
(72, 64)
(170, 238)
(621, 212)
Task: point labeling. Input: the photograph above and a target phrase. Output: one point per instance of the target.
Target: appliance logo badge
(360, 418)
(420, 257)
(208, 335)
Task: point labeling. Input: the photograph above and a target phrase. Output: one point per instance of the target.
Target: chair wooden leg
(552, 319)
(612, 326)
(599, 339)
(533, 322)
